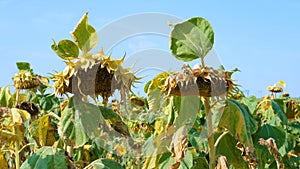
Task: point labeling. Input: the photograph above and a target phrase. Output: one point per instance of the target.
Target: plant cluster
(195, 118)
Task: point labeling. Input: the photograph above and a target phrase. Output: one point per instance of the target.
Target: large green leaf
(278, 107)
(46, 158)
(192, 39)
(65, 49)
(239, 122)
(227, 147)
(84, 35)
(104, 164)
(267, 131)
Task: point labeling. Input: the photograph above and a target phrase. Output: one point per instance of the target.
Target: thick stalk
(212, 156)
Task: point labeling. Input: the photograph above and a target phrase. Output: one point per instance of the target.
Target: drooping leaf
(46, 158)
(192, 39)
(239, 122)
(65, 49)
(23, 65)
(104, 164)
(84, 35)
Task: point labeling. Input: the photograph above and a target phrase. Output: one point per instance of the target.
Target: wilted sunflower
(94, 75)
(204, 81)
(25, 79)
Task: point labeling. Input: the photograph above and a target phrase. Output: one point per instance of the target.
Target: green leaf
(84, 35)
(115, 121)
(227, 147)
(289, 144)
(71, 125)
(46, 158)
(239, 122)
(267, 131)
(278, 107)
(251, 102)
(192, 39)
(23, 65)
(200, 163)
(104, 164)
(65, 49)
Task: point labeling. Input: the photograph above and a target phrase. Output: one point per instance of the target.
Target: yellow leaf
(281, 83)
(19, 116)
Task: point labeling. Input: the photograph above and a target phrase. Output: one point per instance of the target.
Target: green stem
(202, 61)
(212, 156)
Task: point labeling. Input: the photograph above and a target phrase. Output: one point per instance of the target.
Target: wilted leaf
(66, 49)
(46, 158)
(43, 131)
(84, 35)
(192, 39)
(19, 116)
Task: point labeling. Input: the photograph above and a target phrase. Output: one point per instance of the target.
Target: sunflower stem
(212, 156)
(202, 61)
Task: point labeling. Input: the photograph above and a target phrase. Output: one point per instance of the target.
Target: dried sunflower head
(204, 81)
(274, 89)
(25, 79)
(94, 75)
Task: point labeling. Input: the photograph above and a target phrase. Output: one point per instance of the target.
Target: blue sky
(261, 38)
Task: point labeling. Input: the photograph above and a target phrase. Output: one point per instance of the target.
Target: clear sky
(261, 38)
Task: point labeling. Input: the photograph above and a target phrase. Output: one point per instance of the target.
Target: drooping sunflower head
(94, 75)
(26, 79)
(207, 82)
